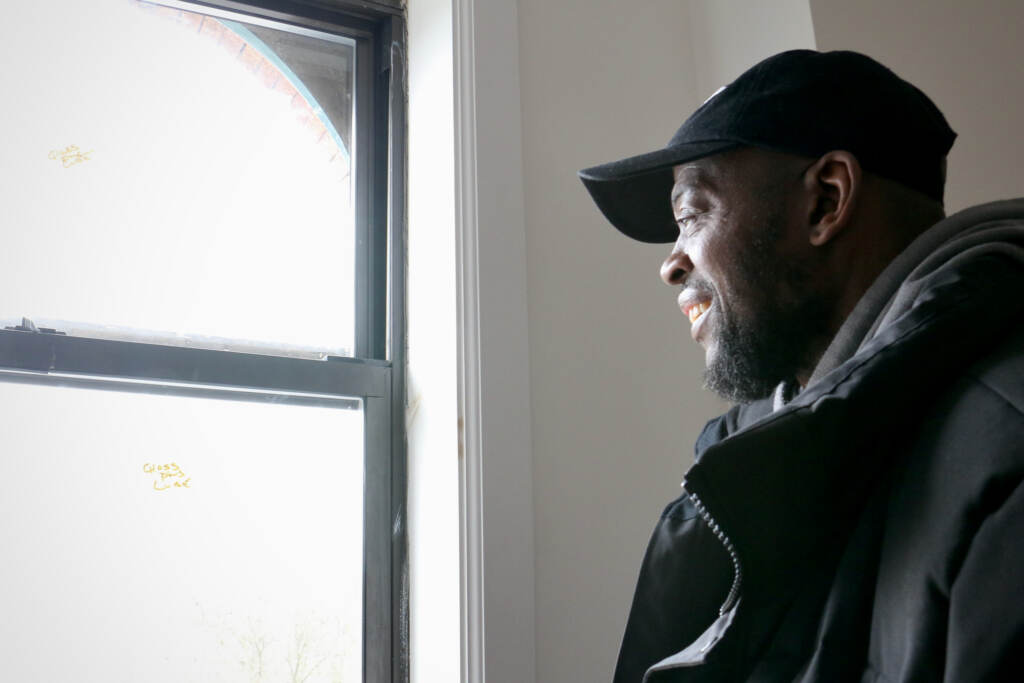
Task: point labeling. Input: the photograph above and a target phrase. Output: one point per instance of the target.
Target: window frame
(375, 375)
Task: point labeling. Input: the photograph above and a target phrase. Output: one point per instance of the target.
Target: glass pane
(165, 539)
(172, 172)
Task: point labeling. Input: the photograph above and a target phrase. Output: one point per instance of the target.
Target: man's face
(745, 268)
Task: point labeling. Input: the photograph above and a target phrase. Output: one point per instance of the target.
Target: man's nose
(676, 266)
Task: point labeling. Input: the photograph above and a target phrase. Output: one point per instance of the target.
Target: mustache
(702, 286)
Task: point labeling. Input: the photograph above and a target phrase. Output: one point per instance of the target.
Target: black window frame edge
(376, 375)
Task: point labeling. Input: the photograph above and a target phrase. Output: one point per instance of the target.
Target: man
(859, 515)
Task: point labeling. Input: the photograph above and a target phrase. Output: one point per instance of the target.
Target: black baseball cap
(802, 102)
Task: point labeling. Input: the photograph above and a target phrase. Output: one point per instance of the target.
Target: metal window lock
(29, 326)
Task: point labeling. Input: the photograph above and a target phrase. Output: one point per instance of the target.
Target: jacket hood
(993, 228)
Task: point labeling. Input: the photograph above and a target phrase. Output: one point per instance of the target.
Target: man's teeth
(697, 311)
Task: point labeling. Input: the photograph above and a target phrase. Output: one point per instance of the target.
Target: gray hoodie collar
(986, 228)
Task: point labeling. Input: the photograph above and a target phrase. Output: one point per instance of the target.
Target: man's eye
(686, 222)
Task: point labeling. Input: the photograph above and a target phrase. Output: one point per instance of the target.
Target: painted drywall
(614, 377)
(726, 37)
(431, 417)
(490, 149)
(967, 57)
(470, 472)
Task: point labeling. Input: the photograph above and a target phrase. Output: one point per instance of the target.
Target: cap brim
(633, 194)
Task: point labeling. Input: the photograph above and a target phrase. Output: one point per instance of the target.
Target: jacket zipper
(737, 570)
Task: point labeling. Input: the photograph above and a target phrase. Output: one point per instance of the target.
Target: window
(201, 303)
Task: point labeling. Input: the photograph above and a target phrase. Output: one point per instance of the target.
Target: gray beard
(755, 355)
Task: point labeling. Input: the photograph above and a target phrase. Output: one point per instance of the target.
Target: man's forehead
(697, 172)
(714, 173)
(693, 175)
(710, 169)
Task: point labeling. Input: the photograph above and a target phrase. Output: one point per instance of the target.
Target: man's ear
(834, 186)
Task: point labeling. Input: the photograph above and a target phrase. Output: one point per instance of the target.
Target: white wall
(469, 411)
(494, 385)
(967, 57)
(432, 413)
(728, 36)
(614, 384)
(614, 377)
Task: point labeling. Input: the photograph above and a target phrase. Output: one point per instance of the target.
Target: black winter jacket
(873, 528)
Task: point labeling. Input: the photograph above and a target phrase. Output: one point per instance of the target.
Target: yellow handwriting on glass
(167, 476)
(70, 155)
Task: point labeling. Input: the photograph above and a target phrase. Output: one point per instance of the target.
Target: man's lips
(696, 311)
(694, 306)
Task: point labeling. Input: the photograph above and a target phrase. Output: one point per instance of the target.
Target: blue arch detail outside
(251, 39)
